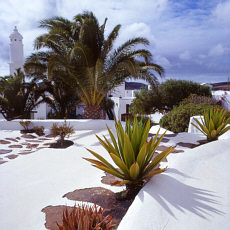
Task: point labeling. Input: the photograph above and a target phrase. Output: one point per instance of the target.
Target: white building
(123, 96)
(16, 51)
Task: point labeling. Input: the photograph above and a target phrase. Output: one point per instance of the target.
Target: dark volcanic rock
(15, 146)
(4, 142)
(28, 136)
(2, 162)
(188, 145)
(4, 151)
(11, 139)
(12, 156)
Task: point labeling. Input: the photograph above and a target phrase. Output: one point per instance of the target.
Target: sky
(189, 38)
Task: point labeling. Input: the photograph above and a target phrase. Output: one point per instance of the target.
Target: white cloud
(222, 12)
(217, 50)
(137, 30)
(185, 55)
(163, 61)
(176, 30)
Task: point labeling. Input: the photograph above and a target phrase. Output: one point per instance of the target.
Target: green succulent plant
(213, 124)
(25, 124)
(132, 154)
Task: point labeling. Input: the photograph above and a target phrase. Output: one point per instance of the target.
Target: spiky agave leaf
(213, 124)
(132, 167)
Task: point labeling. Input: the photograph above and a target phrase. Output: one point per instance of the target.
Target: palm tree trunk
(92, 112)
(133, 189)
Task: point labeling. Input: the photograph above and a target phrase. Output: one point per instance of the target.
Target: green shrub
(197, 99)
(39, 130)
(142, 119)
(62, 131)
(167, 95)
(146, 102)
(25, 124)
(174, 91)
(177, 120)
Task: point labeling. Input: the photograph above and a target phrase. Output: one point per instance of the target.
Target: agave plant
(132, 154)
(213, 124)
(82, 218)
(62, 131)
(25, 124)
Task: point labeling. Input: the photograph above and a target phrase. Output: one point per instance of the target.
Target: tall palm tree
(80, 49)
(18, 97)
(61, 93)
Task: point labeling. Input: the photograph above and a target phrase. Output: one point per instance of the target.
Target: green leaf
(101, 159)
(120, 163)
(129, 155)
(158, 159)
(110, 171)
(134, 171)
(142, 156)
(145, 132)
(113, 139)
(153, 173)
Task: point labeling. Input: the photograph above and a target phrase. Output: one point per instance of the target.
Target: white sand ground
(194, 193)
(31, 182)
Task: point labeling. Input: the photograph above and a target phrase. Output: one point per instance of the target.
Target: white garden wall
(81, 124)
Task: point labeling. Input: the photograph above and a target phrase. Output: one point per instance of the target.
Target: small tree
(62, 131)
(17, 97)
(174, 91)
(146, 102)
(166, 95)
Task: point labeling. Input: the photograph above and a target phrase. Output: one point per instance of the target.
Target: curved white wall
(81, 124)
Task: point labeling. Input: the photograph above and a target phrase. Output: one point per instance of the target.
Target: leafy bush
(39, 130)
(146, 102)
(62, 131)
(85, 218)
(132, 154)
(143, 119)
(174, 91)
(165, 96)
(25, 124)
(197, 99)
(177, 120)
(213, 124)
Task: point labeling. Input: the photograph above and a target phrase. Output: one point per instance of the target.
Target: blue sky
(190, 39)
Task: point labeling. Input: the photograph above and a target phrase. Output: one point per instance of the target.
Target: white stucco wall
(120, 105)
(40, 112)
(193, 193)
(118, 91)
(81, 124)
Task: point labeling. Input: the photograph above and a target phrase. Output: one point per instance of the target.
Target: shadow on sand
(172, 193)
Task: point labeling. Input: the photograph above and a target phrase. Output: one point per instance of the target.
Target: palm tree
(80, 49)
(18, 97)
(60, 95)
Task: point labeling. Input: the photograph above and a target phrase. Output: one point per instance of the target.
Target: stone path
(11, 148)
